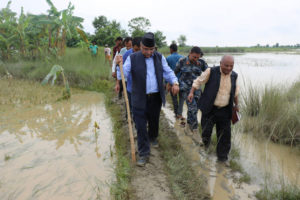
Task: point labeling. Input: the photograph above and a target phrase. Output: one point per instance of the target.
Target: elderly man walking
(148, 69)
(219, 99)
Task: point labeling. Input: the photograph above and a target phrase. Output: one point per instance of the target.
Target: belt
(152, 94)
(219, 107)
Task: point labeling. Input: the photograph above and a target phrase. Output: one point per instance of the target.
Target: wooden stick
(133, 159)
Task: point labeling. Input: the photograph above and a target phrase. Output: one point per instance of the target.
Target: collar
(188, 62)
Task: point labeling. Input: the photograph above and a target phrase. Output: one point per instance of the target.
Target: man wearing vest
(148, 68)
(219, 99)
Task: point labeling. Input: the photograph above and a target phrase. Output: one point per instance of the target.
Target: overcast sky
(204, 23)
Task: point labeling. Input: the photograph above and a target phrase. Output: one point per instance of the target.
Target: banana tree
(8, 32)
(23, 23)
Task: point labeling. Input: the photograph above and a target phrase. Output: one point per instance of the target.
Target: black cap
(148, 40)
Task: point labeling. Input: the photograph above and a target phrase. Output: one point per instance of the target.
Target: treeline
(32, 36)
(107, 31)
(45, 36)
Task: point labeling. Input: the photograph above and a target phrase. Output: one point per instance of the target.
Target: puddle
(53, 151)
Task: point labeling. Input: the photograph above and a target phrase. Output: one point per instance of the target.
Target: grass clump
(273, 113)
(184, 182)
(7, 157)
(284, 193)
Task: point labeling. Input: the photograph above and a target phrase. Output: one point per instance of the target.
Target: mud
(52, 150)
(149, 182)
(221, 180)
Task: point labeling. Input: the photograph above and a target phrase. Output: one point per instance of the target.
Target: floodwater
(264, 161)
(55, 151)
(263, 68)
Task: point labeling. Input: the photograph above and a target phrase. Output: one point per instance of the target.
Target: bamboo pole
(133, 159)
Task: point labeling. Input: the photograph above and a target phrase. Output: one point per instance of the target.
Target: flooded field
(263, 68)
(54, 149)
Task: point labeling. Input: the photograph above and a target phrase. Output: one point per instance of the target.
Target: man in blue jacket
(148, 69)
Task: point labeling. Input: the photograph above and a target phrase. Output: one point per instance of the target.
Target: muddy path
(149, 182)
(52, 150)
(222, 182)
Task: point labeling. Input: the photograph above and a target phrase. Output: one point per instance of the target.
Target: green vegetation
(273, 113)
(286, 193)
(185, 184)
(56, 70)
(81, 69)
(37, 36)
(7, 157)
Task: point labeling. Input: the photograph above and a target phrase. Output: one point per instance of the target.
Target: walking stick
(128, 115)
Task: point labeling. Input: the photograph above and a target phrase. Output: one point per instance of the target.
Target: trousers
(147, 122)
(220, 118)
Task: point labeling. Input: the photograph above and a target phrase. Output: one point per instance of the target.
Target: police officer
(190, 68)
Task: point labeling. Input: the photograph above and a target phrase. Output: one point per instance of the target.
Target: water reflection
(54, 151)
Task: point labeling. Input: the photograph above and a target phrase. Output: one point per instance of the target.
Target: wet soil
(148, 182)
(52, 149)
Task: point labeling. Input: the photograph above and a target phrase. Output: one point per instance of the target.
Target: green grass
(273, 112)
(185, 184)
(80, 68)
(284, 193)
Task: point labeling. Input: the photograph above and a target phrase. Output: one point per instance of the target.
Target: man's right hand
(190, 97)
(117, 88)
(114, 75)
(119, 59)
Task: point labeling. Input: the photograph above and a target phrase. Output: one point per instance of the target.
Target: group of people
(149, 74)
(93, 48)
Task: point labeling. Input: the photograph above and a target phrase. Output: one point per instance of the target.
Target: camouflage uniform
(189, 72)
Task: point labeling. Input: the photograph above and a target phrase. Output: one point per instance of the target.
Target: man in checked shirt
(219, 99)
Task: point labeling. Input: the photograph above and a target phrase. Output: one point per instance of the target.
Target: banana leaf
(54, 73)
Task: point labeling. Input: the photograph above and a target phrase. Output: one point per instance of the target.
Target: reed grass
(273, 112)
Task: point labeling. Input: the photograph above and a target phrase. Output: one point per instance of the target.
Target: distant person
(148, 69)
(117, 48)
(218, 101)
(127, 45)
(93, 49)
(107, 52)
(190, 68)
(172, 61)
